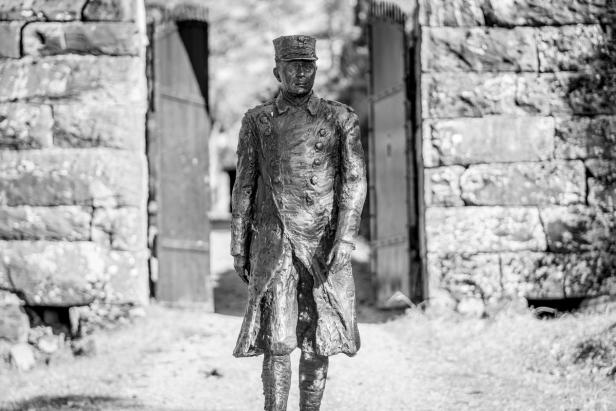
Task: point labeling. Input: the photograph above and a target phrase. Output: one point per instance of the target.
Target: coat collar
(282, 105)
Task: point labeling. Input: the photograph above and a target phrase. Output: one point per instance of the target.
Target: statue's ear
(277, 73)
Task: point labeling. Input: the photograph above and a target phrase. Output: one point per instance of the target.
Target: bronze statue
(297, 201)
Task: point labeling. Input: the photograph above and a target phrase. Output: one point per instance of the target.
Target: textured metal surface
(296, 206)
(180, 128)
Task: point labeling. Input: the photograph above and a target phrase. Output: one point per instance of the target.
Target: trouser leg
(276, 377)
(312, 377)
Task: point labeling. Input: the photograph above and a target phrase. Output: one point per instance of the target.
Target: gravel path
(181, 360)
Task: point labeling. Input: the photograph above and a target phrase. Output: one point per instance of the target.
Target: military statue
(297, 201)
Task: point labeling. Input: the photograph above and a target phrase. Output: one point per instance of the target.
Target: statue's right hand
(242, 267)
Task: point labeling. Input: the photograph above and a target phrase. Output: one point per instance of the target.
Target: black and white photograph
(334, 205)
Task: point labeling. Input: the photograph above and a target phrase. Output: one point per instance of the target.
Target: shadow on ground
(78, 402)
(230, 295)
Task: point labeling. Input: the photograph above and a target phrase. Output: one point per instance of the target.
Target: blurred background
(488, 127)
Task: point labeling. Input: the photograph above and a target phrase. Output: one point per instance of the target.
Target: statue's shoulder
(338, 107)
(257, 110)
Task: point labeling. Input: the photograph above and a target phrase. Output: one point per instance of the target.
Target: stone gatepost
(73, 171)
(519, 127)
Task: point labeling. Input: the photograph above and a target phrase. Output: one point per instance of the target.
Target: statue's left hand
(339, 256)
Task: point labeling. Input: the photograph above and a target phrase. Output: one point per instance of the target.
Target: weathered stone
(117, 39)
(60, 10)
(483, 229)
(69, 223)
(110, 10)
(120, 228)
(542, 13)
(469, 95)
(578, 229)
(21, 356)
(585, 137)
(557, 182)
(565, 93)
(10, 37)
(532, 275)
(104, 79)
(67, 177)
(442, 186)
(487, 139)
(90, 124)
(14, 324)
(573, 48)
(74, 273)
(466, 277)
(25, 126)
(602, 183)
(539, 275)
(478, 49)
(8, 297)
(451, 13)
(127, 274)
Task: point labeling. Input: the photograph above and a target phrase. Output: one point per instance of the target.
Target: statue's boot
(276, 378)
(312, 377)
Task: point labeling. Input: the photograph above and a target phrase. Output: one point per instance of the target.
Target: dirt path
(180, 360)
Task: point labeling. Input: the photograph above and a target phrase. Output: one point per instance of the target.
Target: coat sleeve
(243, 195)
(353, 180)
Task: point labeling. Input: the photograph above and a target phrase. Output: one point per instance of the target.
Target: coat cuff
(348, 226)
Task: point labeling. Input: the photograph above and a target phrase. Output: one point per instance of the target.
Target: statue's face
(296, 76)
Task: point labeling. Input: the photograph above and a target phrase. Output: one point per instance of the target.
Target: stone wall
(73, 170)
(518, 121)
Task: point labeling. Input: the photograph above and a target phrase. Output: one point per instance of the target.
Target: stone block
(566, 93)
(116, 39)
(478, 49)
(510, 13)
(585, 137)
(120, 228)
(56, 10)
(469, 95)
(73, 177)
(540, 275)
(483, 229)
(573, 48)
(466, 277)
(557, 182)
(602, 183)
(106, 80)
(488, 139)
(24, 126)
(74, 273)
(14, 323)
(110, 10)
(442, 186)
(533, 275)
(457, 13)
(577, 229)
(90, 124)
(10, 38)
(21, 356)
(71, 223)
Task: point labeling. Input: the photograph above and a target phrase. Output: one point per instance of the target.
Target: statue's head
(295, 63)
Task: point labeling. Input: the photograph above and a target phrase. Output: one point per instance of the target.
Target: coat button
(317, 162)
(318, 145)
(314, 180)
(322, 132)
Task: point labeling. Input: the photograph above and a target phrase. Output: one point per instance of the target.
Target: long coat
(300, 187)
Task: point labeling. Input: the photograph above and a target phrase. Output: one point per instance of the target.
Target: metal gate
(392, 189)
(179, 127)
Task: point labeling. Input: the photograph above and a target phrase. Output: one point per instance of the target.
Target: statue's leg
(312, 377)
(276, 378)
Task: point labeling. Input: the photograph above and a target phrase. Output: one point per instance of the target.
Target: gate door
(390, 161)
(180, 130)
